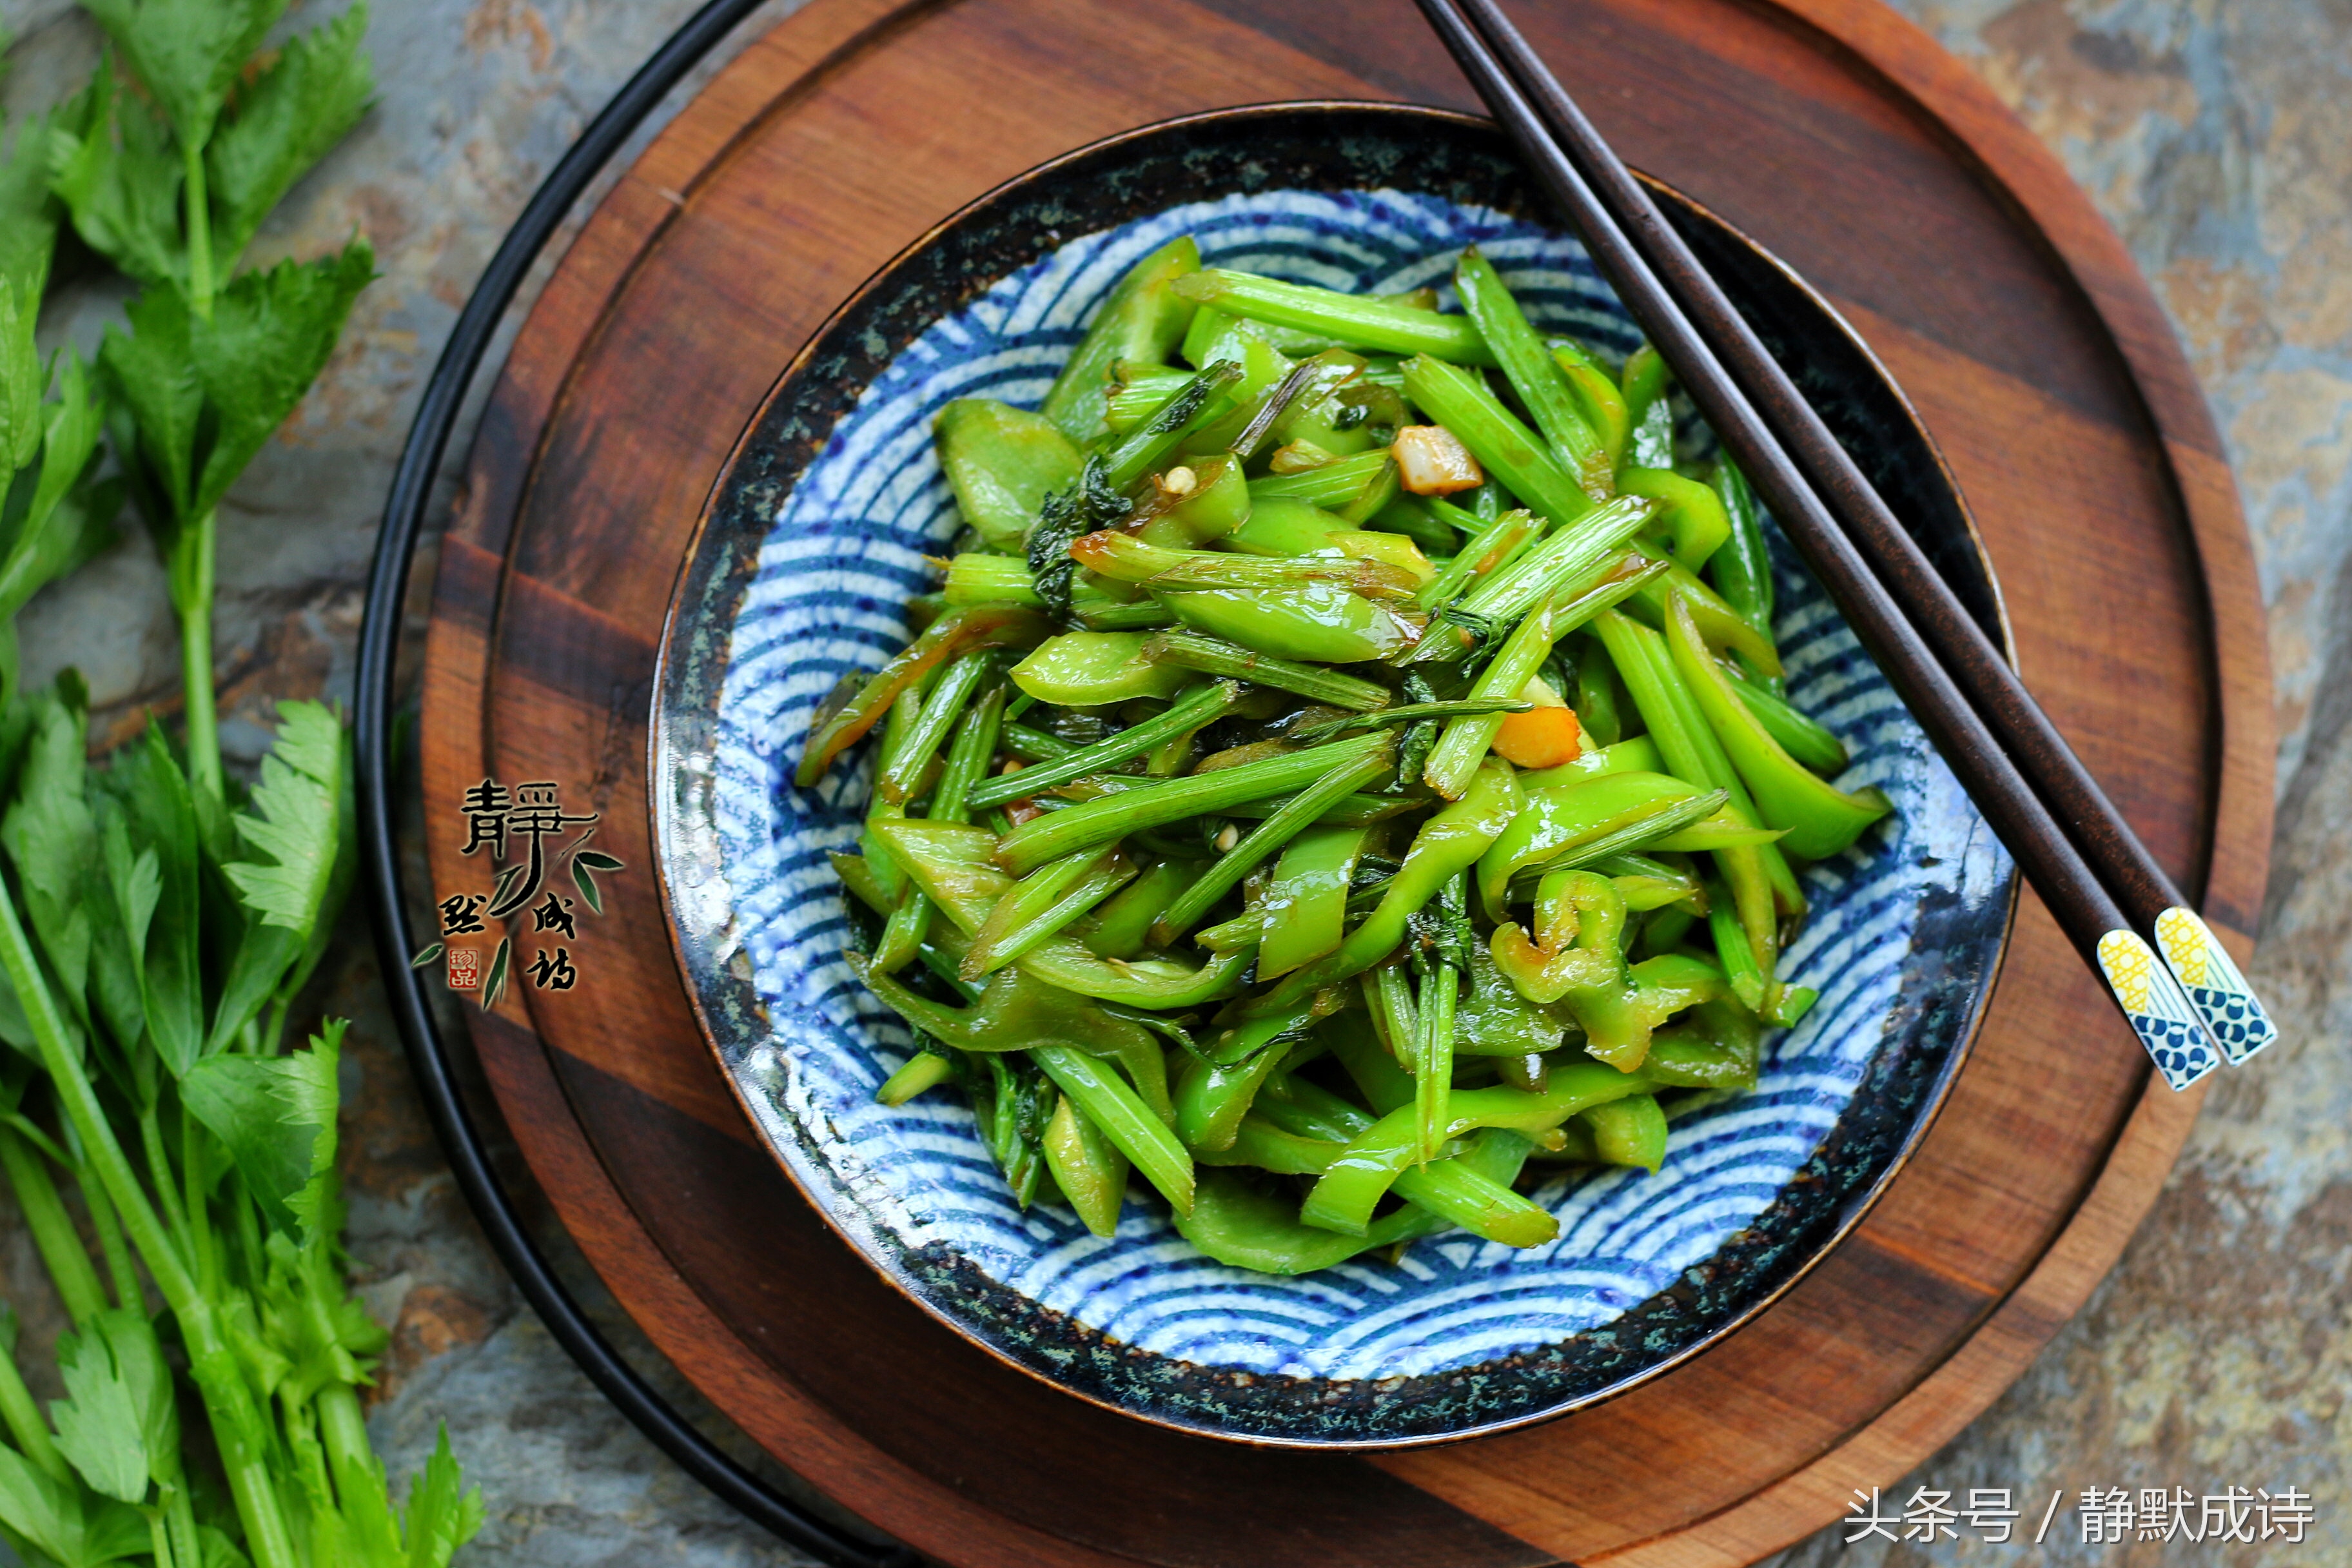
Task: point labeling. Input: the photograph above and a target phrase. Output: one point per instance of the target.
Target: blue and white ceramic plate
(817, 535)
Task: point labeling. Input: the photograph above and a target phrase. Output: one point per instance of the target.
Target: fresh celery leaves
(21, 416)
(271, 335)
(442, 1515)
(188, 52)
(118, 1424)
(150, 374)
(293, 820)
(163, 918)
(286, 119)
(52, 836)
(203, 395)
(56, 514)
(170, 182)
(114, 166)
(275, 1117)
(28, 214)
(146, 790)
(122, 167)
(75, 1526)
(302, 822)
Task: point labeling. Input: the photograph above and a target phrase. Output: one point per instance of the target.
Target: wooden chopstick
(1893, 598)
(2226, 1005)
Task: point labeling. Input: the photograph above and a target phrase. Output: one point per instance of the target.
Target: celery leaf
(52, 837)
(188, 52)
(293, 821)
(75, 1526)
(285, 120)
(61, 515)
(269, 336)
(118, 1424)
(111, 161)
(159, 815)
(442, 1513)
(275, 1117)
(28, 214)
(236, 376)
(151, 372)
(21, 416)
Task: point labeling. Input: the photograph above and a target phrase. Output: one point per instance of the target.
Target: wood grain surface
(1831, 131)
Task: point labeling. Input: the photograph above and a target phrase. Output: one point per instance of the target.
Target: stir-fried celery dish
(1345, 767)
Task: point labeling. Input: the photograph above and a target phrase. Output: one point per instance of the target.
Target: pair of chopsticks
(2192, 1010)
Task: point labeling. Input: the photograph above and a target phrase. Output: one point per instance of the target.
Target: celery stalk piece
(1095, 821)
(1213, 657)
(976, 578)
(1187, 714)
(1123, 1117)
(1295, 816)
(1351, 319)
(1505, 448)
(1534, 375)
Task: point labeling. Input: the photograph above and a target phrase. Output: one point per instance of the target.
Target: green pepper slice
(1821, 820)
(959, 631)
(1471, 1188)
(1598, 397)
(1638, 755)
(1719, 1045)
(1015, 1010)
(1690, 512)
(1245, 1225)
(1211, 1098)
(1494, 1020)
(1095, 669)
(1630, 1131)
(1558, 818)
(1001, 462)
(1306, 902)
(1121, 926)
(1449, 841)
(1344, 1198)
(1144, 319)
(1217, 503)
(1318, 623)
(1086, 1165)
(1650, 442)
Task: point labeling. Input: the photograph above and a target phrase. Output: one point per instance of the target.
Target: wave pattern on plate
(839, 559)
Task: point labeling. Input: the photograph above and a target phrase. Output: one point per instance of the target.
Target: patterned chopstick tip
(2233, 1014)
(2160, 1015)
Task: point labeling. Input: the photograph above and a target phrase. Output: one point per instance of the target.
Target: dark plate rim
(662, 753)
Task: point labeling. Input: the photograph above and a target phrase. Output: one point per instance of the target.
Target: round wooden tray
(1841, 139)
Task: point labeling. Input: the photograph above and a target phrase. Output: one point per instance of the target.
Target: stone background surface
(2216, 137)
